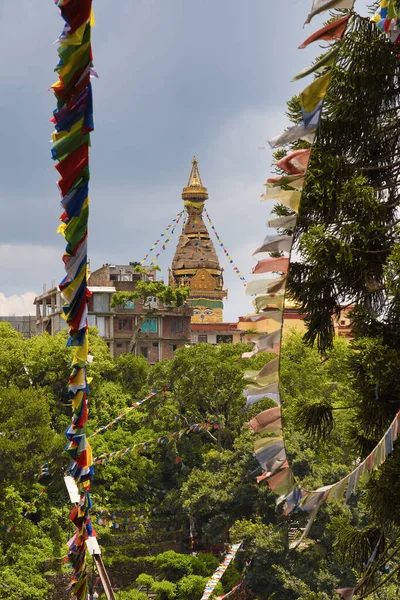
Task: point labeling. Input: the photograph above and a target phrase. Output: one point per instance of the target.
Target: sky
(177, 78)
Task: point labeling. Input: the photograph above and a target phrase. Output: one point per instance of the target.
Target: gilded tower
(195, 263)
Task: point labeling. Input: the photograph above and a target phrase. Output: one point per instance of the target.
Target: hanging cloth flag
(253, 398)
(270, 265)
(294, 181)
(319, 6)
(266, 286)
(271, 366)
(277, 243)
(283, 222)
(268, 420)
(296, 162)
(270, 453)
(267, 302)
(327, 60)
(297, 132)
(281, 482)
(311, 97)
(346, 593)
(288, 198)
(212, 582)
(332, 31)
(268, 340)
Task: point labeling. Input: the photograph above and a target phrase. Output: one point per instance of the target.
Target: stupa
(195, 263)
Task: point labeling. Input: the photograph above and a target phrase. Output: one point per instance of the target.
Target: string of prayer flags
(73, 122)
(332, 31)
(239, 586)
(125, 412)
(159, 441)
(166, 235)
(228, 256)
(312, 500)
(270, 294)
(387, 19)
(212, 582)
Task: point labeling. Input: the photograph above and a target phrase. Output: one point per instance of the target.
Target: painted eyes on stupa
(204, 311)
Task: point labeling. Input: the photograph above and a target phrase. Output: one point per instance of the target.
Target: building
(195, 263)
(25, 325)
(165, 330)
(247, 328)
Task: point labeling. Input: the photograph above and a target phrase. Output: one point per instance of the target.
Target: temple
(195, 263)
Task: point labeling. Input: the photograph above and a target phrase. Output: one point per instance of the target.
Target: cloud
(21, 305)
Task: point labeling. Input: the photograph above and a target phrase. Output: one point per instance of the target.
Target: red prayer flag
(333, 31)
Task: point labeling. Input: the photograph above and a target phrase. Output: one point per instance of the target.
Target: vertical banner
(73, 121)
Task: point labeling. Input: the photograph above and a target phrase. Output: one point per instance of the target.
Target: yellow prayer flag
(312, 95)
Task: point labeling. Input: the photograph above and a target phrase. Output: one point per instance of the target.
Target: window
(173, 347)
(177, 326)
(155, 344)
(101, 326)
(125, 277)
(224, 339)
(92, 320)
(119, 345)
(125, 324)
(343, 322)
(101, 303)
(202, 339)
(144, 351)
(150, 326)
(113, 277)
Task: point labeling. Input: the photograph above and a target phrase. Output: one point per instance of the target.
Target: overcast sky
(177, 78)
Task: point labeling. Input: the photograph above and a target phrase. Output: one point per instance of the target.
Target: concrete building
(166, 329)
(25, 325)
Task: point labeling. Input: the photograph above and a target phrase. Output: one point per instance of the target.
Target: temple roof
(194, 189)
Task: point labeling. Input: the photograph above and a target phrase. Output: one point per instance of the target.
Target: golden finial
(195, 189)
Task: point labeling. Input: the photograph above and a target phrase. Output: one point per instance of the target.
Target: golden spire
(195, 189)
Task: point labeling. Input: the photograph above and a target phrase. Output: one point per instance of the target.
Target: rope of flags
(73, 121)
(165, 235)
(215, 578)
(270, 293)
(228, 256)
(159, 441)
(239, 586)
(125, 412)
